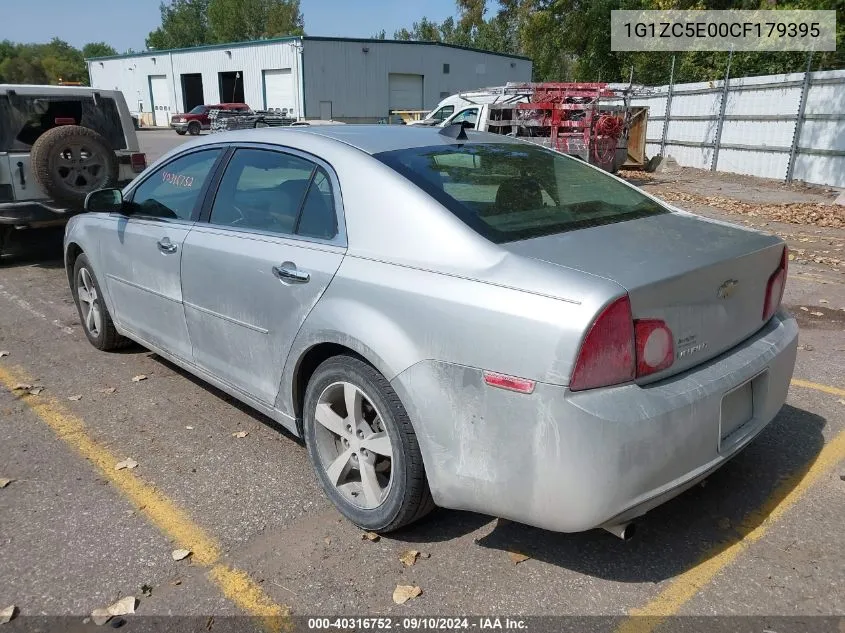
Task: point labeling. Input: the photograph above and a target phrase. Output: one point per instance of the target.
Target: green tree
(184, 23)
(62, 62)
(242, 20)
(98, 49)
(21, 70)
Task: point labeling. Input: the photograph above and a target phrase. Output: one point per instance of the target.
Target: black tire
(106, 338)
(408, 497)
(194, 128)
(180, 132)
(70, 183)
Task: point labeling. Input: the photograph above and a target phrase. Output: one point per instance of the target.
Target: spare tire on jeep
(71, 161)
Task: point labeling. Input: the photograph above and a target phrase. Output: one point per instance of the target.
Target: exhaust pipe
(625, 531)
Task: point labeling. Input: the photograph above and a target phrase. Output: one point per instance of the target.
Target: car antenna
(455, 131)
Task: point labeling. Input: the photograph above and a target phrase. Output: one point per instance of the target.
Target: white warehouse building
(351, 80)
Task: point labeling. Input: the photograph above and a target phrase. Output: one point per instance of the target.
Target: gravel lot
(764, 536)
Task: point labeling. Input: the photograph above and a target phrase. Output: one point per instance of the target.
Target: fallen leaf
(370, 536)
(805, 309)
(724, 523)
(124, 606)
(5, 482)
(517, 558)
(100, 616)
(425, 555)
(108, 390)
(817, 313)
(3, 353)
(808, 348)
(179, 554)
(190, 428)
(8, 614)
(147, 590)
(176, 583)
(403, 593)
(21, 386)
(840, 401)
(75, 398)
(139, 378)
(823, 301)
(240, 434)
(36, 390)
(409, 557)
(126, 463)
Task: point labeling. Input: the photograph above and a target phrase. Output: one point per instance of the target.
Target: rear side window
(515, 191)
(275, 192)
(173, 191)
(23, 118)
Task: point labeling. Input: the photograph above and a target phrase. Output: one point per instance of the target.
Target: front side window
(276, 192)
(200, 109)
(468, 117)
(515, 191)
(443, 113)
(174, 190)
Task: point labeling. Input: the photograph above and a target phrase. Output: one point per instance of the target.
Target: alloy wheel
(80, 167)
(89, 302)
(353, 445)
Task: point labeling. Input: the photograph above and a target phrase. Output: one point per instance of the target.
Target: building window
(445, 69)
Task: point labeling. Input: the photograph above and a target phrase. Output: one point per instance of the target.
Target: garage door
(278, 89)
(406, 91)
(160, 97)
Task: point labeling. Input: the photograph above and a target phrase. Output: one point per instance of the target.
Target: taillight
(775, 287)
(138, 162)
(618, 349)
(655, 347)
(511, 383)
(606, 356)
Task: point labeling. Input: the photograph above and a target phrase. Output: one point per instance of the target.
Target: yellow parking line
(163, 513)
(818, 387)
(753, 527)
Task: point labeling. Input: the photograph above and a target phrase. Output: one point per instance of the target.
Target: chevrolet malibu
(451, 319)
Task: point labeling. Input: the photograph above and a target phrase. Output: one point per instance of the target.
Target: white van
(457, 102)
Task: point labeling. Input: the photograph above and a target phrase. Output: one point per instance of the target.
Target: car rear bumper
(570, 461)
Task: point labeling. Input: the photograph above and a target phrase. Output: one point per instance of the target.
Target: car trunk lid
(706, 280)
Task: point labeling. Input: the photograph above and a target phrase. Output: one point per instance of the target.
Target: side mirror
(105, 200)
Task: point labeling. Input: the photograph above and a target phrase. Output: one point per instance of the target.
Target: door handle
(21, 174)
(287, 271)
(166, 246)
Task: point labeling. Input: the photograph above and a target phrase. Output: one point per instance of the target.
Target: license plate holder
(737, 412)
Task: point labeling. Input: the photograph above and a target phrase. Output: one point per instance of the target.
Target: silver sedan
(476, 323)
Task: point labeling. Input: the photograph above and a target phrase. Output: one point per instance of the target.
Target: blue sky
(125, 23)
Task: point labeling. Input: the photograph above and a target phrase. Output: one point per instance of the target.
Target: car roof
(33, 89)
(374, 139)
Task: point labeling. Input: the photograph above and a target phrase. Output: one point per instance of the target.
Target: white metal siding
(406, 92)
(279, 90)
(357, 82)
(130, 74)
(759, 125)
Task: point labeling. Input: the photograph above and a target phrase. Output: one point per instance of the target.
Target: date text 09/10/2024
(378, 624)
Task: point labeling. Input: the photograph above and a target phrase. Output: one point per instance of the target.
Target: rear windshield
(23, 118)
(508, 192)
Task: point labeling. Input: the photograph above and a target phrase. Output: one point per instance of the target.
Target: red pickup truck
(197, 119)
